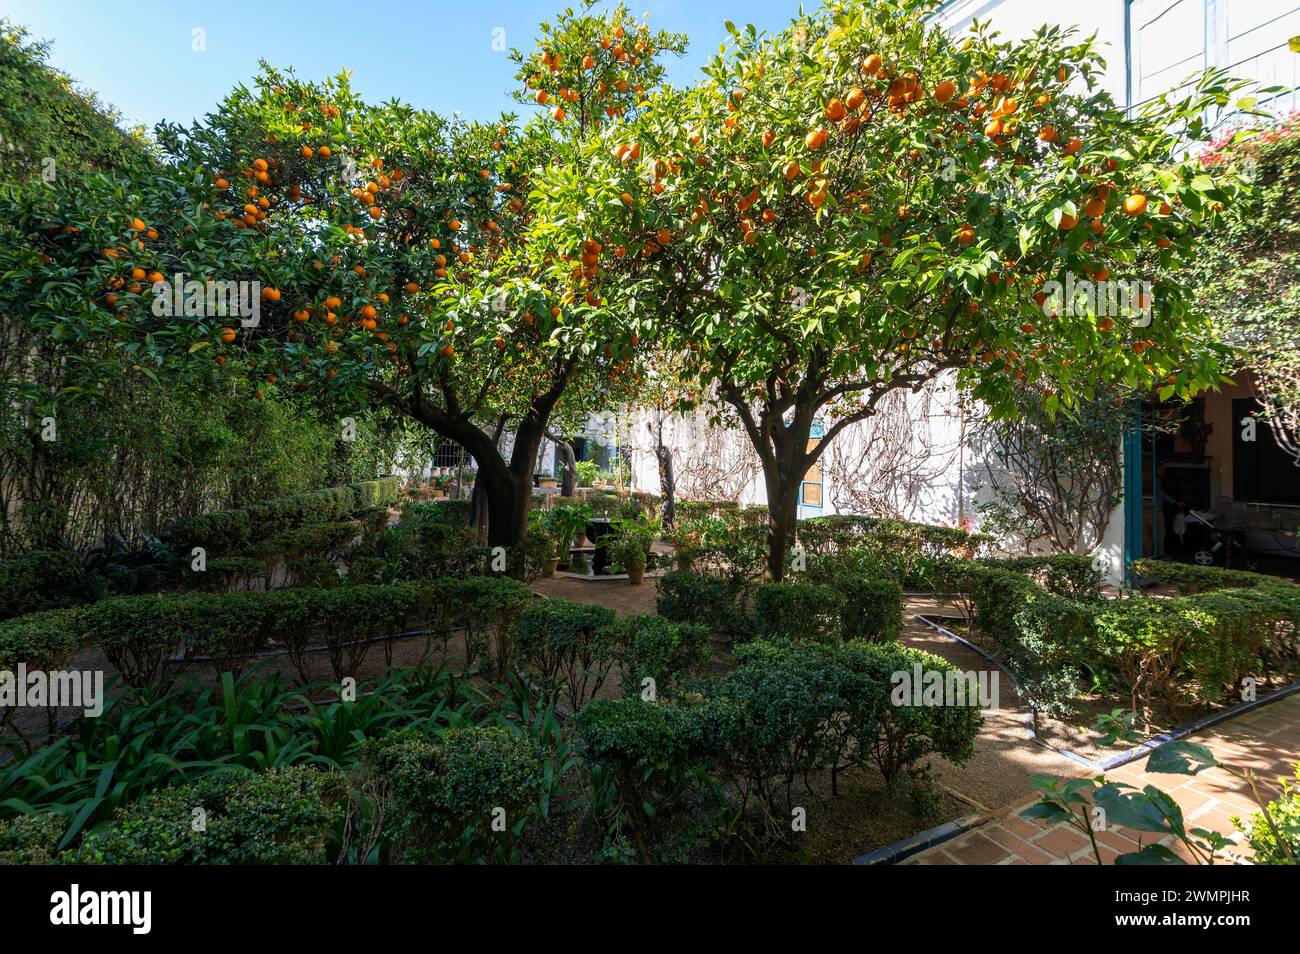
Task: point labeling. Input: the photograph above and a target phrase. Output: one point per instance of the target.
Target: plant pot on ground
(629, 543)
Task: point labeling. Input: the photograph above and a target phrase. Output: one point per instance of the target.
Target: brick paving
(1267, 740)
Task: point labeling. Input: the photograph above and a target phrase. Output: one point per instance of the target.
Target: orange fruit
(1135, 204)
(323, 152)
(228, 335)
(965, 235)
(835, 110)
(945, 91)
(871, 66)
(1073, 146)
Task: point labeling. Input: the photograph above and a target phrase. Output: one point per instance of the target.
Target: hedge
(785, 711)
(648, 761)
(1071, 575)
(651, 647)
(439, 795)
(1198, 646)
(1188, 578)
(281, 816)
(797, 612)
(685, 596)
(45, 579)
(222, 532)
(569, 645)
(149, 637)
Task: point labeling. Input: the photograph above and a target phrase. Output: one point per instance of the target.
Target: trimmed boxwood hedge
(150, 637)
(439, 793)
(222, 532)
(1188, 578)
(281, 816)
(1195, 647)
(797, 612)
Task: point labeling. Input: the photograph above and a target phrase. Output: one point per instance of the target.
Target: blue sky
(137, 54)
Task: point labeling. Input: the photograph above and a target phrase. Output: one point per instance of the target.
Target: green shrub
(381, 492)
(872, 608)
(895, 738)
(778, 709)
(651, 647)
(282, 816)
(570, 646)
(141, 635)
(485, 607)
(41, 640)
(450, 513)
(312, 540)
(648, 763)
(684, 596)
(1276, 844)
(218, 532)
(1074, 576)
(1187, 578)
(43, 580)
(31, 839)
(443, 796)
(801, 706)
(1047, 647)
(223, 574)
(797, 612)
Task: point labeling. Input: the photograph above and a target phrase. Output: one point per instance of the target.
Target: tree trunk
(782, 515)
(568, 461)
(507, 487)
(667, 483)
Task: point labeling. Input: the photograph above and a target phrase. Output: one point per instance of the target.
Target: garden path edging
(1146, 746)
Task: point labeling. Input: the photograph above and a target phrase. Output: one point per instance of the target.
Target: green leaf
(1131, 809)
(1181, 758)
(1150, 855)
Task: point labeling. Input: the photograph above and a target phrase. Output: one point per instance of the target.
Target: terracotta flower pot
(549, 566)
(635, 574)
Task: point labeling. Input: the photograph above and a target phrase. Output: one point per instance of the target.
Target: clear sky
(138, 54)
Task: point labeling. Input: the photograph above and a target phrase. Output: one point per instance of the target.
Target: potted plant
(629, 544)
(564, 525)
(542, 533)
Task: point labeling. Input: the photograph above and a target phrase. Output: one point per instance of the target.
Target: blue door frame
(813, 490)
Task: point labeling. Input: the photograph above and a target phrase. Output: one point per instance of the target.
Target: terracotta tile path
(1267, 740)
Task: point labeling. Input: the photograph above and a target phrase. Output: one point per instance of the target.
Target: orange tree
(863, 202)
(388, 247)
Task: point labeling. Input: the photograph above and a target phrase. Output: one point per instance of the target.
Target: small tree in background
(1054, 481)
